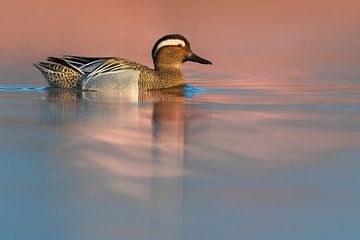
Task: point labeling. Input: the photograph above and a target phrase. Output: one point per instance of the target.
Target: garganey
(118, 74)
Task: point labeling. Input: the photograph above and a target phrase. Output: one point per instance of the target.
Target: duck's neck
(169, 76)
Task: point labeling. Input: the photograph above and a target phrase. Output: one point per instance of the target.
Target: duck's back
(96, 74)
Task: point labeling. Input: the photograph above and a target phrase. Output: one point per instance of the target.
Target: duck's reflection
(125, 134)
(133, 143)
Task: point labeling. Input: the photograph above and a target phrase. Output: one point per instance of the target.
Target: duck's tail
(59, 73)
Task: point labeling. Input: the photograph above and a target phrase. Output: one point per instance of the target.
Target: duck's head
(172, 50)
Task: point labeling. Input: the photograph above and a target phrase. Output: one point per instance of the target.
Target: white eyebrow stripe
(169, 42)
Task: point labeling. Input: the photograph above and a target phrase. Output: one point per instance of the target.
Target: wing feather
(115, 65)
(91, 66)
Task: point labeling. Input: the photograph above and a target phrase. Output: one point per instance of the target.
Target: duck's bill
(195, 58)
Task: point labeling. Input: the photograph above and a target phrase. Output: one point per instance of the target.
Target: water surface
(193, 163)
(264, 144)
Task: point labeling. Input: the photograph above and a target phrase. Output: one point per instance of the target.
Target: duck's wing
(91, 66)
(81, 61)
(112, 65)
(115, 74)
(71, 71)
(84, 65)
(105, 74)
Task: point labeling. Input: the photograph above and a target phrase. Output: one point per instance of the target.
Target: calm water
(262, 145)
(193, 163)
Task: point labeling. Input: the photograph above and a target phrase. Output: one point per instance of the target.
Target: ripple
(22, 88)
(191, 91)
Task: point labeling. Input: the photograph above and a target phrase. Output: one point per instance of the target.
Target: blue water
(196, 163)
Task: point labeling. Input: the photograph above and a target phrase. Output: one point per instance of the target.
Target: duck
(119, 74)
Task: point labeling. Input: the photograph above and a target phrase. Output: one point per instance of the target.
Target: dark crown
(168, 37)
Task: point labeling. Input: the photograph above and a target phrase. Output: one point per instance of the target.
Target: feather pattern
(58, 75)
(114, 74)
(92, 73)
(115, 65)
